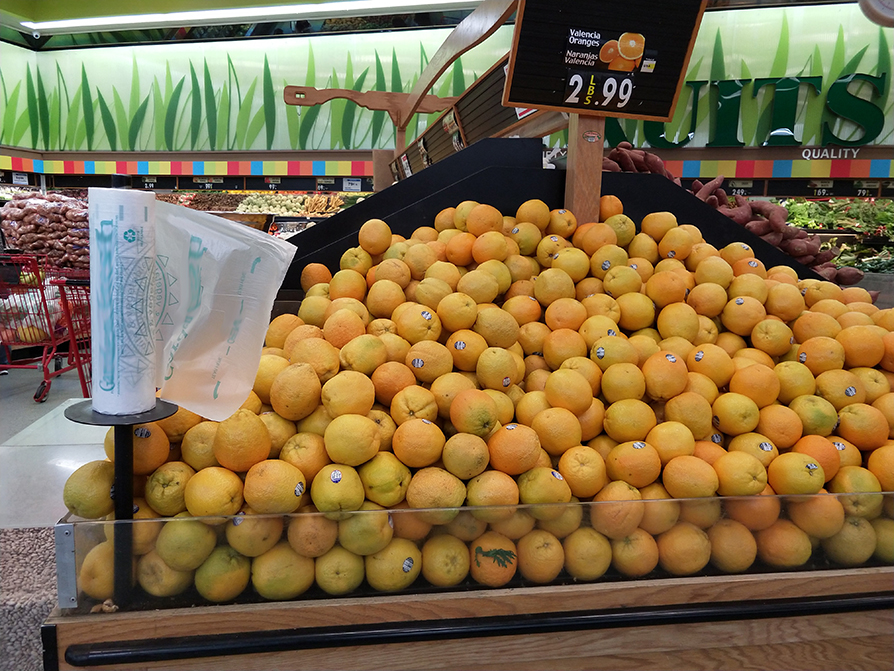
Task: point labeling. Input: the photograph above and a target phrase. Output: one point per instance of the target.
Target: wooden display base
(830, 619)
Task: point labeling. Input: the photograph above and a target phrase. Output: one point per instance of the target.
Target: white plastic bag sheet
(215, 286)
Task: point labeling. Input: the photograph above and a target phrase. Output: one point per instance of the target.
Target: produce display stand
(800, 620)
(807, 619)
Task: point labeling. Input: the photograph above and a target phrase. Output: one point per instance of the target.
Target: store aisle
(39, 447)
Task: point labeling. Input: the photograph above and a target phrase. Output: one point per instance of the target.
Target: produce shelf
(802, 620)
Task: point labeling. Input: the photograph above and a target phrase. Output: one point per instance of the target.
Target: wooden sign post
(621, 58)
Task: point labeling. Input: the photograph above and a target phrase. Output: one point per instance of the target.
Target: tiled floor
(39, 447)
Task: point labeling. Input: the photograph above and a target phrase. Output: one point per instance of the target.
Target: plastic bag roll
(122, 268)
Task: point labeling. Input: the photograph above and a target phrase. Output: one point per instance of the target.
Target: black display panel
(280, 183)
(623, 58)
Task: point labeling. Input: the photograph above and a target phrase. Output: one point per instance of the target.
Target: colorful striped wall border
(200, 168)
(782, 169)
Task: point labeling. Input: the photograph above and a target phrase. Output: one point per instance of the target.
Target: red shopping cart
(31, 318)
(74, 294)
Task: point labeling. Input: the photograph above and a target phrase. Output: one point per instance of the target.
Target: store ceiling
(54, 24)
(66, 17)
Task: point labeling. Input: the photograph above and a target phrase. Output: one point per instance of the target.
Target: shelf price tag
(272, 183)
(866, 188)
(741, 187)
(20, 178)
(822, 187)
(623, 58)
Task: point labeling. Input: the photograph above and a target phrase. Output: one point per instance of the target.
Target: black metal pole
(123, 543)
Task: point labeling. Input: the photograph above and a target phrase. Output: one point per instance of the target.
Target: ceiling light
(321, 10)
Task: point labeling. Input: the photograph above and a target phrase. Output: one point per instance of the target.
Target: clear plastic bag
(217, 281)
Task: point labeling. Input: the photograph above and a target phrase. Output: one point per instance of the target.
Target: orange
(563, 344)
(740, 474)
(671, 439)
(540, 556)
(708, 451)
(637, 311)
(534, 211)
(314, 273)
(812, 324)
(735, 251)
(693, 411)
(735, 413)
(863, 425)
(584, 470)
(494, 495)
(683, 549)
(756, 512)
(543, 485)
(861, 486)
(496, 368)
(514, 448)
(608, 52)
(445, 560)
(821, 290)
(795, 473)
(151, 446)
(524, 309)
(566, 313)
(241, 441)
(418, 442)
(465, 346)
(874, 382)
(635, 554)
(785, 301)
(624, 228)
(820, 516)
(558, 430)
(758, 383)
(492, 559)
(656, 224)
(755, 444)
(821, 353)
(390, 378)
(413, 402)
(634, 462)
(742, 314)
(707, 299)
(621, 381)
(665, 287)
(854, 544)
(631, 45)
(435, 488)
(780, 424)
(588, 554)
(213, 491)
(818, 416)
(714, 270)
(713, 361)
(863, 345)
(661, 512)
(840, 387)
(643, 247)
(567, 388)
(676, 244)
(795, 379)
(688, 476)
(465, 455)
(617, 509)
(274, 486)
(772, 336)
(666, 375)
(629, 419)
(573, 261)
(783, 545)
(733, 547)
(609, 205)
(605, 258)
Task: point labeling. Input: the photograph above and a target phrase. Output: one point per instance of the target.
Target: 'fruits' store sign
(614, 58)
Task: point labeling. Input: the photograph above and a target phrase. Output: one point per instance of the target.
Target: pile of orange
(489, 370)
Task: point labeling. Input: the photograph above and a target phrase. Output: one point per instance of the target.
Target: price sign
(888, 188)
(866, 188)
(20, 178)
(623, 58)
(272, 183)
(745, 187)
(822, 188)
(351, 184)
